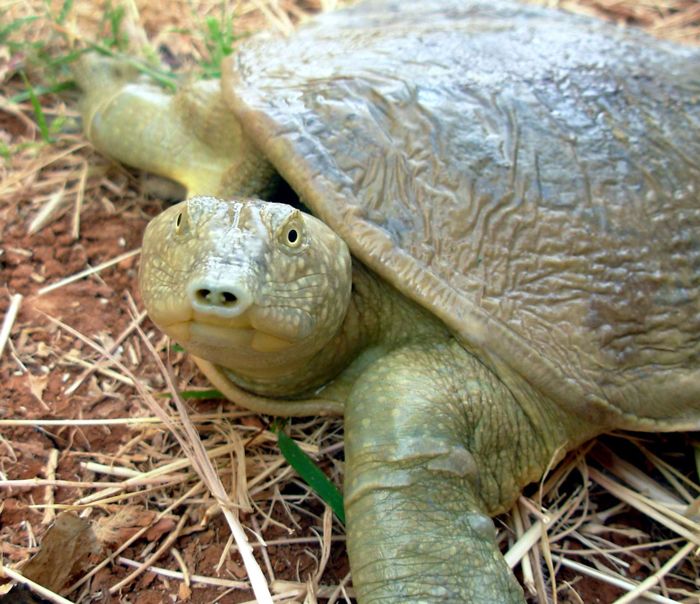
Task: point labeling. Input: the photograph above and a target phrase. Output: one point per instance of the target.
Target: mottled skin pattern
(504, 259)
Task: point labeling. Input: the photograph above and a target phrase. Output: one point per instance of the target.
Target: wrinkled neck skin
(378, 319)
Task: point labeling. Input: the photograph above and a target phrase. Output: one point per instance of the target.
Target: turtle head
(252, 286)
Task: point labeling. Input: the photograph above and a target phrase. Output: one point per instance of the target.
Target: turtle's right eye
(181, 223)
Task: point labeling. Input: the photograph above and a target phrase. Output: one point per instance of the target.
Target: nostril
(203, 295)
(216, 297)
(229, 298)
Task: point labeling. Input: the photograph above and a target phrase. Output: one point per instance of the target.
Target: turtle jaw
(208, 337)
(242, 334)
(238, 335)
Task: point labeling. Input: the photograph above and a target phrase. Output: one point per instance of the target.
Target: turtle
(470, 227)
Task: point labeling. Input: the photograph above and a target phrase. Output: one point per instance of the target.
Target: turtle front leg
(434, 443)
(190, 137)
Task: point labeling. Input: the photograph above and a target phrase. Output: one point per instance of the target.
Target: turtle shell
(530, 176)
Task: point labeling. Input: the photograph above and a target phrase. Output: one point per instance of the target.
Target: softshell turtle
(503, 259)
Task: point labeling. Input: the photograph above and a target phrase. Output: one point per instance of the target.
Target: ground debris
(65, 551)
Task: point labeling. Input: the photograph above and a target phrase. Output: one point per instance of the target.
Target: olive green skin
(520, 192)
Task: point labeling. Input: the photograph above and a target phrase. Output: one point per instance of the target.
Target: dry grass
(155, 510)
(677, 20)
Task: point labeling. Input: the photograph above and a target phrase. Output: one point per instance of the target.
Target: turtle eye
(292, 236)
(292, 233)
(181, 223)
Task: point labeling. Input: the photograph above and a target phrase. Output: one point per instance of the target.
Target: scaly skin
(419, 485)
(433, 435)
(434, 446)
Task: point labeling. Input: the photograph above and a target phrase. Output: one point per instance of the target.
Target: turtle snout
(222, 299)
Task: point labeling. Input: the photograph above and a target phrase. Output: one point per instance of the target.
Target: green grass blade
(42, 90)
(218, 40)
(201, 394)
(65, 10)
(194, 394)
(311, 474)
(15, 25)
(114, 15)
(38, 111)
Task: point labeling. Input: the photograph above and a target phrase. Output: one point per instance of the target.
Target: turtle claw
(95, 72)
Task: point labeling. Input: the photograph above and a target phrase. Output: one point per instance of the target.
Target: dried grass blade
(165, 546)
(9, 320)
(115, 345)
(97, 368)
(80, 195)
(6, 185)
(634, 477)
(49, 496)
(530, 537)
(651, 581)
(333, 598)
(116, 421)
(671, 520)
(675, 477)
(289, 589)
(325, 546)
(21, 483)
(606, 578)
(173, 574)
(47, 211)
(276, 18)
(89, 271)
(193, 447)
(525, 562)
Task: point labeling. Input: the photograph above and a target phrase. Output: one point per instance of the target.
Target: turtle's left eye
(292, 236)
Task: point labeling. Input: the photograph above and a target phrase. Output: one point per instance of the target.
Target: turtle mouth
(197, 333)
